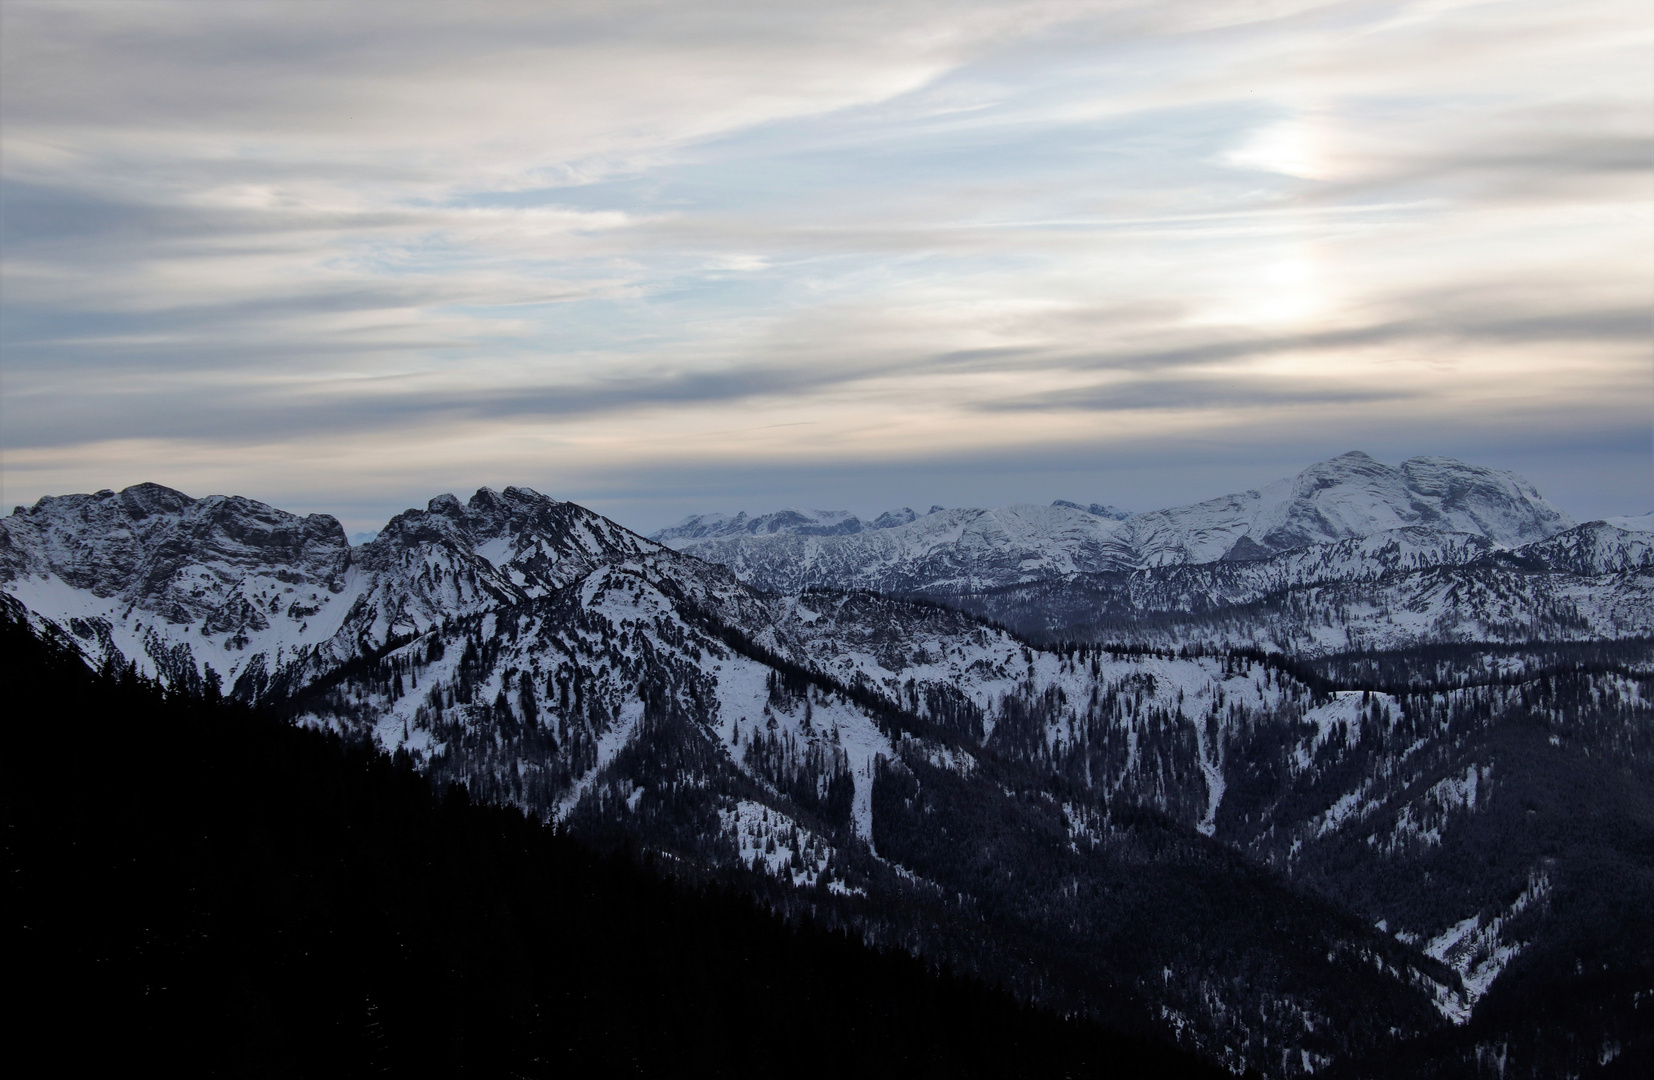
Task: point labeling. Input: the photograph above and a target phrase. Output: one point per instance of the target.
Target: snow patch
(774, 844)
(1478, 951)
(609, 745)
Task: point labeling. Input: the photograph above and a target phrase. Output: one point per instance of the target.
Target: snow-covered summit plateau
(1349, 496)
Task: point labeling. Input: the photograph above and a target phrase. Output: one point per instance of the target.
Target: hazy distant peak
(1099, 509)
(892, 518)
(788, 521)
(1342, 499)
(1633, 522)
(1348, 496)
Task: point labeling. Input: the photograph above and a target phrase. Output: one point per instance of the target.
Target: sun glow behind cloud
(651, 256)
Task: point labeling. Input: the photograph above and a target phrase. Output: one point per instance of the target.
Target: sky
(665, 258)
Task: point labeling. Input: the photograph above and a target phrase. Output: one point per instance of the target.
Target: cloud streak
(700, 233)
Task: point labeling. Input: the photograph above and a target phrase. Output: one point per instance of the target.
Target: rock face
(230, 590)
(950, 552)
(161, 553)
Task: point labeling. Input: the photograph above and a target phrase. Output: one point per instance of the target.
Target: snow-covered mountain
(792, 521)
(151, 573)
(1350, 553)
(1099, 509)
(232, 591)
(1390, 590)
(1347, 497)
(1055, 818)
(943, 551)
(970, 550)
(1633, 523)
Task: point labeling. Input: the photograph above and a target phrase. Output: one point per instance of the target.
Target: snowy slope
(1386, 590)
(1350, 553)
(1597, 547)
(623, 701)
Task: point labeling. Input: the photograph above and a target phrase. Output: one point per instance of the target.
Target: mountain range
(1350, 496)
(1350, 553)
(1199, 812)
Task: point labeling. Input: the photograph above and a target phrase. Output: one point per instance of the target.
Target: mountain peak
(1349, 496)
(164, 552)
(890, 519)
(1102, 510)
(484, 500)
(141, 500)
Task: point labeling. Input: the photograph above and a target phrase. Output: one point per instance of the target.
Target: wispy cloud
(642, 236)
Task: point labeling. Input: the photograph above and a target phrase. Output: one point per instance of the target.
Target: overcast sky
(669, 257)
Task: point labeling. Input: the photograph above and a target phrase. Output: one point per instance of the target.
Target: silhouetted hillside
(200, 886)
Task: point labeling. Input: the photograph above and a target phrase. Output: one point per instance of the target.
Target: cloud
(1185, 394)
(640, 234)
(231, 413)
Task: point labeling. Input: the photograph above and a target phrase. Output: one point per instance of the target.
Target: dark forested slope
(193, 883)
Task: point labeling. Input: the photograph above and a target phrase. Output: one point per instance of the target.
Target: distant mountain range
(1362, 554)
(1208, 817)
(1349, 497)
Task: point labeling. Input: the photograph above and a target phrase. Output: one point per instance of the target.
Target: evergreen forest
(198, 883)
